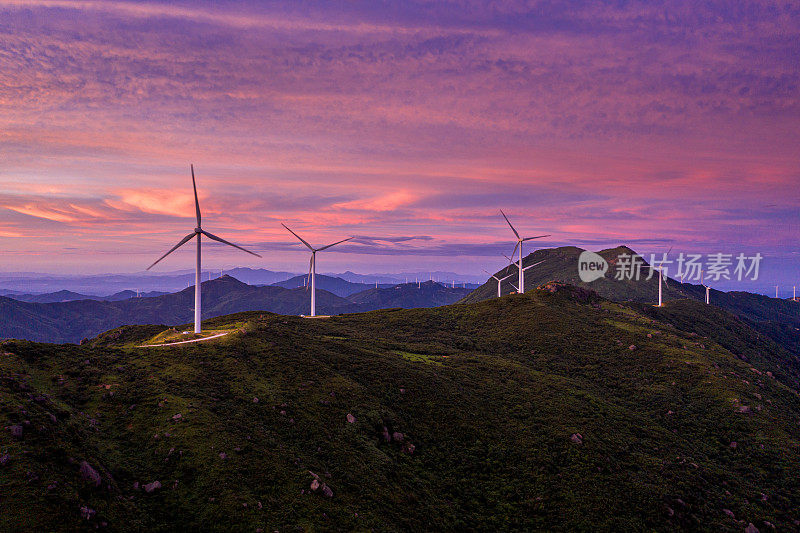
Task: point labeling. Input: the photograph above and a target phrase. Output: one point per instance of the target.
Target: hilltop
(553, 410)
(779, 319)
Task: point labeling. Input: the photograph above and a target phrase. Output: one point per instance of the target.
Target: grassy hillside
(677, 431)
(778, 319)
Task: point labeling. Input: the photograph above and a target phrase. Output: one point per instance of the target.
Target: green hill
(777, 318)
(551, 411)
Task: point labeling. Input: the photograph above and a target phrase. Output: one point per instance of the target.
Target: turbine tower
(198, 232)
(524, 269)
(661, 277)
(520, 240)
(499, 282)
(708, 289)
(312, 266)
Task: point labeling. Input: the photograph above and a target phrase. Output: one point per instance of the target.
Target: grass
(488, 393)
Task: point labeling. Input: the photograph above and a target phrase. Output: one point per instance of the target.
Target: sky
(408, 125)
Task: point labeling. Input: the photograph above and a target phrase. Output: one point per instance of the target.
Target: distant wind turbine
(520, 240)
(312, 266)
(661, 278)
(708, 289)
(198, 232)
(499, 282)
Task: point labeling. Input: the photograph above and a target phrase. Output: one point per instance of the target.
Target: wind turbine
(198, 232)
(523, 270)
(312, 266)
(520, 240)
(708, 289)
(499, 281)
(661, 277)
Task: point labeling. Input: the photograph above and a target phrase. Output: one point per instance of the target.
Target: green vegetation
(777, 319)
(489, 397)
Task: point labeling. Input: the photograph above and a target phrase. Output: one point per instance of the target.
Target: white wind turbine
(661, 277)
(499, 281)
(198, 232)
(523, 270)
(708, 289)
(520, 240)
(312, 266)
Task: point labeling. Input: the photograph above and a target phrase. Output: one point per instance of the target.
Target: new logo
(591, 266)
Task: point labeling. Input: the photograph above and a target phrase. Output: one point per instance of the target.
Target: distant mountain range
(337, 286)
(69, 296)
(105, 284)
(70, 321)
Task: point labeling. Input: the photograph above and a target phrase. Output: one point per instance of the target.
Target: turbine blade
(334, 244)
(196, 202)
(310, 266)
(537, 237)
(495, 277)
(531, 266)
(298, 236)
(515, 251)
(505, 278)
(509, 223)
(223, 241)
(183, 241)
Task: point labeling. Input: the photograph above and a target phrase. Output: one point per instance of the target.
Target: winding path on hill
(184, 342)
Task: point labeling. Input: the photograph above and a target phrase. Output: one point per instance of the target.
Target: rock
(326, 490)
(89, 474)
(223, 455)
(16, 431)
(576, 438)
(769, 524)
(386, 435)
(649, 335)
(350, 418)
(84, 340)
(745, 409)
(315, 485)
(751, 528)
(255, 400)
(397, 436)
(729, 513)
(409, 448)
(733, 445)
(632, 347)
(150, 487)
(177, 417)
(669, 511)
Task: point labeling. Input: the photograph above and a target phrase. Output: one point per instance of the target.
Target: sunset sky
(408, 124)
